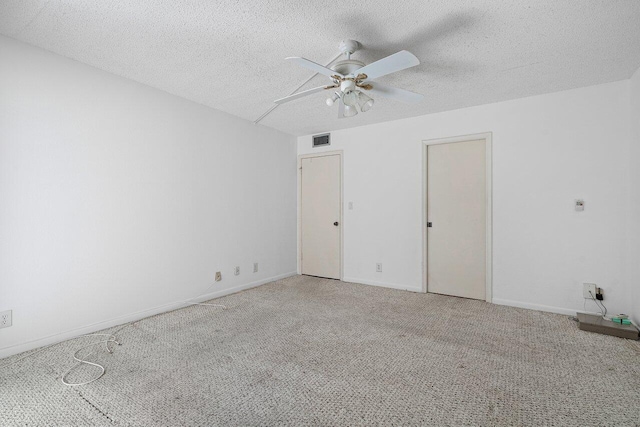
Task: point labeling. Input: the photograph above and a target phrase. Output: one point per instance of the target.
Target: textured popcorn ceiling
(230, 54)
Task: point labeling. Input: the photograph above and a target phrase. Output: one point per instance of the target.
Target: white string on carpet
(51, 345)
(111, 339)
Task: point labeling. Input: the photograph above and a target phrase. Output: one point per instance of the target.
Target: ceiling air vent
(321, 140)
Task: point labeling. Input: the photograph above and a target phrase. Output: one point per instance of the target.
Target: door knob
(335, 223)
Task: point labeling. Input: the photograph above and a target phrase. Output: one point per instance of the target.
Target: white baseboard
(381, 284)
(88, 329)
(547, 308)
(519, 304)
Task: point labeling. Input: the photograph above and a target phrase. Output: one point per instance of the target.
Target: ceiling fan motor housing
(347, 66)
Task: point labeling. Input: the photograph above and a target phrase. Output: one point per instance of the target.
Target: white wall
(547, 151)
(118, 200)
(634, 210)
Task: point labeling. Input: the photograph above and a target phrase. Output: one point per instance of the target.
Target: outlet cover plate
(237, 271)
(255, 267)
(588, 287)
(5, 319)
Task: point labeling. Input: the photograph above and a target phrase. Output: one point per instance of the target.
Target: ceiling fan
(352, 78)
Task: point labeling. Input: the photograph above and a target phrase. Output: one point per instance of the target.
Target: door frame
(487, 136)
(299, 175)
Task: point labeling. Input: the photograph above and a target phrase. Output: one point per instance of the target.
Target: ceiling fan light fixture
(350, 98)
(332, 99)
(350, 111)
(364, 101)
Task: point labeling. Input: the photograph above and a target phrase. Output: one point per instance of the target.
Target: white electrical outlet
(255, 267)
(237, 271)
(589, 287)
(5, 319)
(379, 267)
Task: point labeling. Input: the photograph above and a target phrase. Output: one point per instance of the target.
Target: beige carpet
(308, 351)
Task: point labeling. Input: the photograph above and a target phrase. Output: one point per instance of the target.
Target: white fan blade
(390, 64)
(393, 93)
(300, 94)
(340, 109)
(313, 66)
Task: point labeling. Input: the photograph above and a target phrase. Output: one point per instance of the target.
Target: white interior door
(320, 204)
(456, 219)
